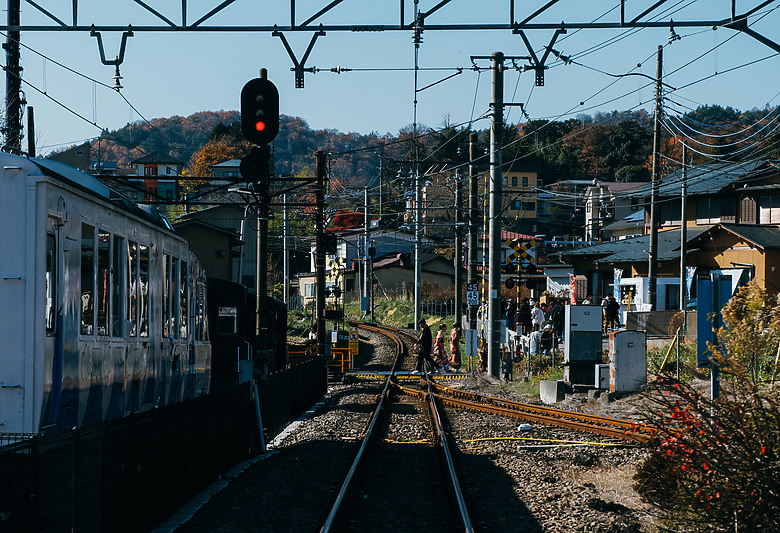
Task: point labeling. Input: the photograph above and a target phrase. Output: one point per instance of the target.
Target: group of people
(431, 353)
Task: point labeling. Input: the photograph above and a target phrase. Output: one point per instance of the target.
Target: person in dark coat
(557, 315)
(524, 316)
(424, 346)
(612, 310)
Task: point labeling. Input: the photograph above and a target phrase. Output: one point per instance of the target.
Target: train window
(166, 272)
(51, 283)
(183, 291)
(103, 280)
(132, 287)
(143, 291)
(87, 279)
(173, 299)
(117, 286)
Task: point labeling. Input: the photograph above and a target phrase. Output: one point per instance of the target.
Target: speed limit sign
(472, 294)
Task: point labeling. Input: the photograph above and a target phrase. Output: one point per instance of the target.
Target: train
(103, 306)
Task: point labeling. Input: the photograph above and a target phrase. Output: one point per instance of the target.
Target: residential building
(155, 174)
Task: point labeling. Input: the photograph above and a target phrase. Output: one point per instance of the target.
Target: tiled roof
(156, 158)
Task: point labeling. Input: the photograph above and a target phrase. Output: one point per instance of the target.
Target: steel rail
(430, 400)
(596, 419)
(445, 445)
(605, 426)
(366, 436)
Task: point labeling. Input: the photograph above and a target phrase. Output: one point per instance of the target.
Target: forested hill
(606, 146)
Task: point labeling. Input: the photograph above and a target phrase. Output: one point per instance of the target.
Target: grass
(530, 387)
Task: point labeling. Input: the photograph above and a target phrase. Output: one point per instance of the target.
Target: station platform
(406, 375)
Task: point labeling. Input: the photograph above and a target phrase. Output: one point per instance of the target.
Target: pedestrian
(535, 342)
(424, 344)
(537, 316)
(524, 316)
(557, 316)
(455, 347)
(439, 353)
(613, 313)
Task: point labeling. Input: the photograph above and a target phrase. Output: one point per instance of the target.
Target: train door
(53, 323)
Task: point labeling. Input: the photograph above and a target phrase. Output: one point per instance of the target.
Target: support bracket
(538, 65)
(299, 67)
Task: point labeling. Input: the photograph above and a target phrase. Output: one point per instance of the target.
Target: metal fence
(287, 394)
(438, 308)
(124, 475)
(133, 473)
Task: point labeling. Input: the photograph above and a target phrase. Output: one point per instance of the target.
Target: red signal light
(259, 125)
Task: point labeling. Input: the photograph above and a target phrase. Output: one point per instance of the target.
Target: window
(504, 182)
(87, 279)
(514, 181)
(143, 291)
(516, 205)
(118, 301)
(168, 170)
(228, 321)
(150, 170)
(529, 206)
(132, 288)
(183, 301)
(51, 284)
(103, 281)
(769, 209)
(525, 181)
(166, 277)
(710, 209)
(309, 290)
(175, 304)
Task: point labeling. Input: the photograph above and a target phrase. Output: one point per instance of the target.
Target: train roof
(91, 185)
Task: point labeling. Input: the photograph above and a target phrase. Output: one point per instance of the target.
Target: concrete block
(593, 394)
(551, 391)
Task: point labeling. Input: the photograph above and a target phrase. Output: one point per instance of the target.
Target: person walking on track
(424, 345)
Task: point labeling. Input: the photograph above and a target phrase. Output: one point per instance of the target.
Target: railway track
(625, 430)
(382, 460)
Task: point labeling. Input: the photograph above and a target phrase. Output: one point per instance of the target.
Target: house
(606, 202)
(155, 174)
(76, 157)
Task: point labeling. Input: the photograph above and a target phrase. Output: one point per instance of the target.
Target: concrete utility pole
(496, 177)
(417, 247)
(13, 80)
(458, 260)
(652, 270)
(366, 301)
(473, 223)
(319, 257)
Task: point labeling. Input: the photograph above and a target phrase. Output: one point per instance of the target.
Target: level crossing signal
(259, 111)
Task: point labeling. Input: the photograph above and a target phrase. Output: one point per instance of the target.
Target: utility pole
(319, 258)
(417, 246)
(365, 301)
(652, 270)
(496, 177)
(286, 245)
(31, 133)
(473, 221)
(381, 177)
(458, 247)
(13, 80)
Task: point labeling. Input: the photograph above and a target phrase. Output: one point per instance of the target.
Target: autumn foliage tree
(716, 464)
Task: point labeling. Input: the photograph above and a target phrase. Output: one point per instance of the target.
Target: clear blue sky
(177, 73)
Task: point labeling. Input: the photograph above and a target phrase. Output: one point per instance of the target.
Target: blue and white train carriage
(102, 304)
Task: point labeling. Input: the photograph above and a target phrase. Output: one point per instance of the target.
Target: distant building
(156, 174)
(77, 157)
